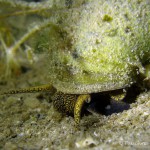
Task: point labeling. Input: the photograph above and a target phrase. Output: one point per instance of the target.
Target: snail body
(95, 47)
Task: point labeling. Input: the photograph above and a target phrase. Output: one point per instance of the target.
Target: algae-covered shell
(100, 45)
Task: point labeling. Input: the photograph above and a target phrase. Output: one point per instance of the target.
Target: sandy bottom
(29, 121)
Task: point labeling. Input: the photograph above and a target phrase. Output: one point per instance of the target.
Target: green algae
(107, 18)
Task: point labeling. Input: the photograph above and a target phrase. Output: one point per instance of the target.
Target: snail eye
(88, 100)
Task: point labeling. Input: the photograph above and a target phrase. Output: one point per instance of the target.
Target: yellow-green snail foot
(71, 104)
(81, 100)
(64, 103)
